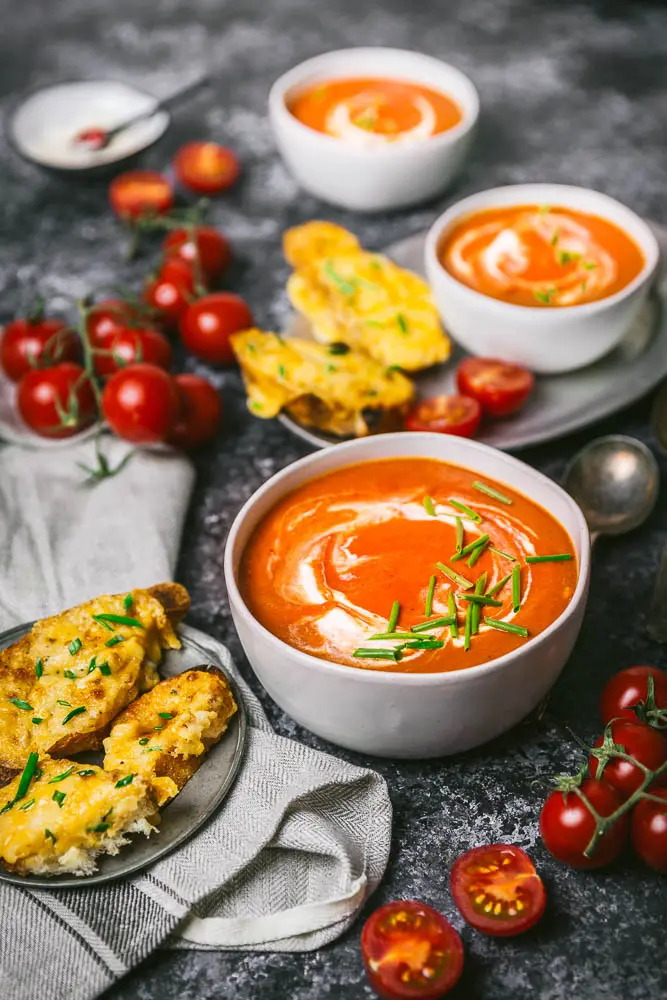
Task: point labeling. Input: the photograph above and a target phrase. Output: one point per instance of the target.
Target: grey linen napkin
(295, 849)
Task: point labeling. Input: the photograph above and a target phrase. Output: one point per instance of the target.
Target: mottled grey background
(572, 92)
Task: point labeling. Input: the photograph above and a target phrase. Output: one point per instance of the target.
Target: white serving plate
(561, 403)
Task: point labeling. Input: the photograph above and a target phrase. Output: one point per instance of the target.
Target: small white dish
(376, 179)
(548, 341)
(402, 715)
(44, 125)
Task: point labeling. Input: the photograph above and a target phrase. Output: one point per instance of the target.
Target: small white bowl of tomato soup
(408, 595)
(544, 275)
(372, 129)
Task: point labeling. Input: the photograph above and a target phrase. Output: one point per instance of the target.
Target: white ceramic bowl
(547, 341)
(372, 180)
(394, 714)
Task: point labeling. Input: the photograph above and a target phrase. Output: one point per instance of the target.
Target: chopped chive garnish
(470, 547)
(459, 535)
(338, 348)
(92, 665)
(127, 602)
(428, 606)
(118, 620)
(49, 835)
(472, 514)
(490, 492)
(152, 750)
(65, 704)
(74, 646)
(36, 721)
(389, 635)
(456, 577)
(60, 777)
(100, 828)
(26, 805)
(166, 715)
(107, 814)
(143, 741)
(507, 627)
(27, 776)
(492, 591)
(560, 557)
(434, 623)
(476, 610)
(7, 806)
(499, 552)
(429, 506)
(85, 771)
(345, 286)
(70, 715)
(114, 640)
(377, 654)
(453, 628)
(516, 588)
(104, 624)
(402, 322)
(393, 617)
(58, 797)
(158, 729)
(69, 674)
(25, 705)
(476, 553)
(482, 600)
(467, 628)
(425, 644)
(39, 667)
(127, 780)
(105, 669)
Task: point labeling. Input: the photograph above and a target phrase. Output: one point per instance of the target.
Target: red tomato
(200, 412)
(648, 830)
(108, 317)
(499, 387)
(171, 291)
(208, 324)
(497, 889)
(140, 192)
(567, 825)
(458, 415)
(206, 242)
(57, 402)
(646, 745)
(131, 346)
(36, 343)
(627, 688)
(410, 950)
(140, 404)
(206, 167)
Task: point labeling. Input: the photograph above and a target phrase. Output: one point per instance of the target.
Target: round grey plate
(191, 808)
(560, 403)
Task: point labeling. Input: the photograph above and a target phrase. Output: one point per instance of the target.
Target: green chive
(25, 705)
(26, 805)
(59, 797)
(7, 806)
(476, 553)
(37, 721)
(152, 750)
(497, 586)
(459, 535)
(143, 741)
(105, 669)
(490, 492)
(107, 814)
(425, 644)
(470, 547)
(84, 772)
(561, 557)
(389, 635)
(114, 640)
(281, 371)
(61, 777)
(472, 514)
(158, 729)
(456, 577)
(428, 607)
(481, 600)
(65, 704)
(393, 617)
(104, 624)
(166, 715)
(468, 628)
(429, 506)
(127, 603)
(69, 674)
(70, 715)
(507, 627)
(516, 588)
(118, 620)
(338, 348)
(127, 780)
(453, 628)
(100, 828)
(403, 326)
(434, 623)
(74, 646)
(49, 835)
(39, 667)
(377, 654)
(499, 552)
(92, 665)
(476, 610)
(27, 776)
(345, 286)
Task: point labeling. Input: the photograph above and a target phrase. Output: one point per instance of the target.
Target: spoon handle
(656, 624)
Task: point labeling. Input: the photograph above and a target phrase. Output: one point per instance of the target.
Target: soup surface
(325, 567)
(374, 112)
(532, 255)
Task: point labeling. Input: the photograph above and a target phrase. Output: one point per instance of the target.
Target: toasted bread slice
(66, 814)
(164, 735)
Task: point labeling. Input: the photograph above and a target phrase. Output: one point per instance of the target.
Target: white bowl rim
(396, 676)
(649, 247)
(291, 78)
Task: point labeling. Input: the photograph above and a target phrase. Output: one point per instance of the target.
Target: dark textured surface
(570, 92)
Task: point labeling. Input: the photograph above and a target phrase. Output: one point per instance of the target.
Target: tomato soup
(375, 565)
(373, 112)
(531, 255)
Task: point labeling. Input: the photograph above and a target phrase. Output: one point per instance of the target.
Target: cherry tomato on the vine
(131, 346)
(171, 291)
(200, 412)
(497, 889)
(627, 688)
(140, 404)
(646, 745)
(458, 415)
(140, 192)
(567, 825)
(206, 167)
(57, 402)
(205, 243)
(110, 316)
(36, 342)
(499, 387)
(648, 830)
(411, 951)
(209, 322)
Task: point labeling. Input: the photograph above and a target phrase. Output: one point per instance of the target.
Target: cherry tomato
(410, 950)
(200, 412)
(140, 192)
(499, 387)
(627, 688)
(567, 825)
(108, 317)
(208, 323)
(36, 342)
(458, 415)
(171, 291)
(646, 745)
(206, 167)
(648, 830)
(131, 346)
(57, 402)
(497, 889)
(140, 404)
(207, 243)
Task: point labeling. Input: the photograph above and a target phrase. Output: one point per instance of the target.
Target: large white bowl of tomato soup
(372, 129)
(352, 606)
(544, 275)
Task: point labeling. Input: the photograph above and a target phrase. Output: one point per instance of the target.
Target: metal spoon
(615, 481)
(656, 624)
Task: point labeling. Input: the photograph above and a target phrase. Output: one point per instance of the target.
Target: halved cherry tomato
(171, 291)
(458, 415)
(208, 323)
(36, 342)
(111, 316)
(627, 688)
(140, 404)
(499, 387)
(497, 889)
(648, 830)
(130, 346)
(410, 950)
(206, 167)
(645, 745)
(57, 402)
(200, 412)
(207, 243)
(140, 192)
(567, 825)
